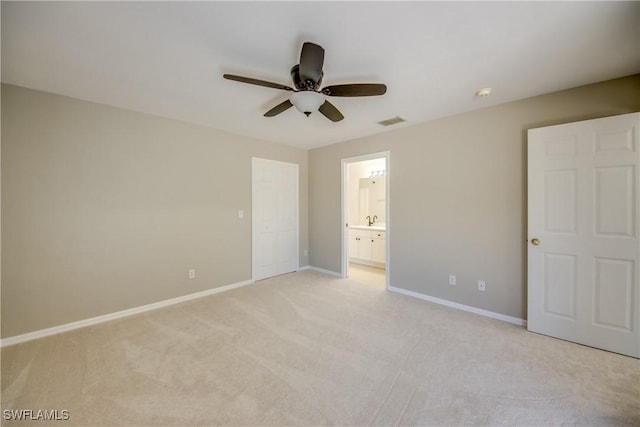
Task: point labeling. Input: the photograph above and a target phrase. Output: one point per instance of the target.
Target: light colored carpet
(308, 349)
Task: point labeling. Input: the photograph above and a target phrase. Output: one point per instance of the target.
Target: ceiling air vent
(392, 121)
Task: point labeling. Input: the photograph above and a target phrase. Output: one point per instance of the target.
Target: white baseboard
(481, 312)
(156, 305)
(320, 270)
(117, 315)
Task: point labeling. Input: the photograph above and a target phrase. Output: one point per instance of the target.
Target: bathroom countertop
(369, 227)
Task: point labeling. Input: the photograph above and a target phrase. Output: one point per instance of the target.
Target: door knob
(535, 242)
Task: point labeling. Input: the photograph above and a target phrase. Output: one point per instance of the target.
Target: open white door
(275, 218)
(583, 233)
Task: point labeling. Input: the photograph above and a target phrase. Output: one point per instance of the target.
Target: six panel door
(583, 233)
(275, 218)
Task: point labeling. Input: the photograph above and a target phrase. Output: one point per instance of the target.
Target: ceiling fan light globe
(307, 101)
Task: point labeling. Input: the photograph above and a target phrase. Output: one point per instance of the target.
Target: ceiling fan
(307, 96)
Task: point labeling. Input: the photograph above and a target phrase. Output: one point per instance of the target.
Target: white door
(583, 233)
(353, 245)
(377, 249)
(275, 218)
(364, 247)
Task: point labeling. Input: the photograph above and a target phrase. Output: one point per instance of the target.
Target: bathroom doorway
(365, 215)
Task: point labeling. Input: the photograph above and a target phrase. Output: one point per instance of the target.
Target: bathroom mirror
(373, 198)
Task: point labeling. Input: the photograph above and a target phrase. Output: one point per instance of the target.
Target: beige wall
(105, 209)
(458, 194)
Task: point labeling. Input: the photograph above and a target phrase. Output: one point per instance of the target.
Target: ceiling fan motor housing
(304, 84)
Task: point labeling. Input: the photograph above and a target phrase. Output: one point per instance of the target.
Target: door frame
(345, 210)
(254, 217)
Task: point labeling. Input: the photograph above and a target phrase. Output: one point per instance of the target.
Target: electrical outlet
(482, 285)
(452, 279)
(192, 273)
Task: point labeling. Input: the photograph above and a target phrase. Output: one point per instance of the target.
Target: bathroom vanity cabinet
(367, 246)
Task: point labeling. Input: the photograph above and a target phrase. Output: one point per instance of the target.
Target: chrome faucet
(369, 220)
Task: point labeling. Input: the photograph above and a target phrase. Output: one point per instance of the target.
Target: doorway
(365, 218)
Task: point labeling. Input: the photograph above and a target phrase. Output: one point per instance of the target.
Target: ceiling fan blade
(331, 112)
(279, 108)
(256, 82)
(311, 61)
(356, 89)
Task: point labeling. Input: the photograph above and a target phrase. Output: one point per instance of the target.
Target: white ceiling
(167, 58)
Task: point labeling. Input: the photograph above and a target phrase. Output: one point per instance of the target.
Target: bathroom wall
(359, 170)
